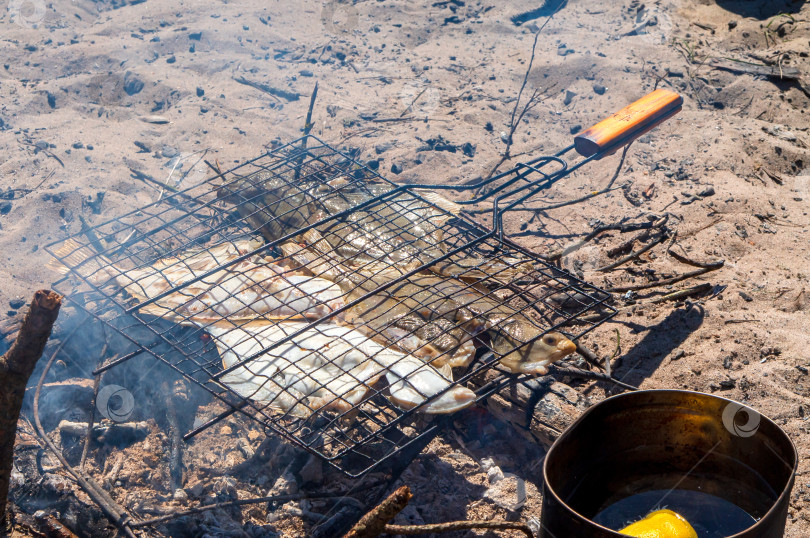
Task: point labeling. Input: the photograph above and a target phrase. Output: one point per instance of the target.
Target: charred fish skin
(470, 308)
(405, 230)
(385, 316)
(254, 287)
(330, 367)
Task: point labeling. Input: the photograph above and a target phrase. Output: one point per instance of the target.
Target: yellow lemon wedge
(661, 524)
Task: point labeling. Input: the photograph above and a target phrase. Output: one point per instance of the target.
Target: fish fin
(439, 201)
(446, 371)
(310, 260)
(154, 309)
(72, 254)
(322, 258)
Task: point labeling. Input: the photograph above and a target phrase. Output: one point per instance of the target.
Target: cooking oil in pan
(709, 515)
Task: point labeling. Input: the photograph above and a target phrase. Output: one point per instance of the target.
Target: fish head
(534, 357)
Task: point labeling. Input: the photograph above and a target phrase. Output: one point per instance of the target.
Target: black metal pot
(661, 440)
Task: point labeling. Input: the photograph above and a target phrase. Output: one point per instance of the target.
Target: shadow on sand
(761, 9)
(640, 362)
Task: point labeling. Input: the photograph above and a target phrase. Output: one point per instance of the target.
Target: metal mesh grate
(342, 311)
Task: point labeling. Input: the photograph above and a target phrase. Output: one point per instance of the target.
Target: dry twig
(373, 523)
(116, 514)
(458, 526)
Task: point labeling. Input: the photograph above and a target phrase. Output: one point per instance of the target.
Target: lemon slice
(661, 524)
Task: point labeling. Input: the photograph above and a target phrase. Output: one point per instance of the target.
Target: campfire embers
(400, 331)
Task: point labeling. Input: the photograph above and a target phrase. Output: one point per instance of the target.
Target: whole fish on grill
(427, 299)
(328, 367)
(405, 229)
(244, 290)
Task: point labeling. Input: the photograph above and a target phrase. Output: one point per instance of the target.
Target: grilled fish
(242, 291)
(401, 230)
(522, 345)
(327, 367)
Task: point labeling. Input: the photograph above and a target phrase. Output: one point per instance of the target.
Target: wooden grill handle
(629, 123)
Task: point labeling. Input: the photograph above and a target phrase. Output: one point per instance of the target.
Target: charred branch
(373, 523)
(16, 366)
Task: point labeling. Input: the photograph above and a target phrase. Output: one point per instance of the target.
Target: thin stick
(373, 523)
(228, 504)
(621, 226)
(593, 375)
(682, 294)
(410, 106)
(458, 526)
(664, 282)
(307, 129)
(660, 238)
(533, 101)
(703, 265)
(609, 360)
(91, 421)
(116, 514)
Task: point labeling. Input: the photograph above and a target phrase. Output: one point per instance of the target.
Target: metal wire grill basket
(192, 279)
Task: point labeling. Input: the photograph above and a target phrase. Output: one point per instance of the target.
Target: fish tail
(72, 254)
(321, 259)
(440, 201)
(319, 265)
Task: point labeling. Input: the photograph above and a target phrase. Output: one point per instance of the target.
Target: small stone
(132, 84)
(306, 73)
(728, 384)
(77, 145)
(5, 207)
(468, 149)
(708, 191)
(374, 164)
(169, 152)
(575, 129)
(494, 474)
(732, 25)
(487, 464)
(200, 92)
(745, 297)
(382, 148)
(171, 59)
(51, 100)
(180, 495)
(196, 490)
(508, 493)
(569, 96)
(226, 430)
(396, 169)
(17, 303)
(677, 355)
(599, 89)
